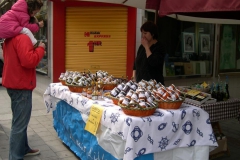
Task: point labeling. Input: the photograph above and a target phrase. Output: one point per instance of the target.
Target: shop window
(189, 46)
(41, 35)
(229, 51)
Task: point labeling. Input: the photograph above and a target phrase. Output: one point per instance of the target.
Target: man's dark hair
(151, 27)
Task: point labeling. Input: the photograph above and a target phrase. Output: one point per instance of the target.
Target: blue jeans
(21, 105)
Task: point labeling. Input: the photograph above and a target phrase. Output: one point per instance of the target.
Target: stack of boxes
(221, 140)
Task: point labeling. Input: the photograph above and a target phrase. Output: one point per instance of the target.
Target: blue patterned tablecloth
(186, 127)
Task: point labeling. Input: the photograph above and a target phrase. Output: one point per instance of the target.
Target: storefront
(92, 36)
(200, 48)
(102, 36)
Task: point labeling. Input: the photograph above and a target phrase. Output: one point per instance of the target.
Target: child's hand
(41, 24)
(41, 45)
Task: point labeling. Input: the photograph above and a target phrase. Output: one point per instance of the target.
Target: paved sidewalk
(42, 135)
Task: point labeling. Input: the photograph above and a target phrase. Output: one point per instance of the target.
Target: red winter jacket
(20, 61)
(13, 21)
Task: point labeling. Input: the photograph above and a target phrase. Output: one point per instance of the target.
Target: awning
(219, 9)
(222, 9)
(203, 20)
(205, 11)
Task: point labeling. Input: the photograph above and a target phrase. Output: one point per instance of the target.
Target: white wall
(140, 20)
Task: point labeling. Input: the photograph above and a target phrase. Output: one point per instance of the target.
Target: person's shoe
(33, 152)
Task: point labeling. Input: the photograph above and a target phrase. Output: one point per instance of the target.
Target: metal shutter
(106, 28)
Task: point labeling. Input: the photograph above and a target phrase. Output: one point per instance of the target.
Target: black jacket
(151, 67)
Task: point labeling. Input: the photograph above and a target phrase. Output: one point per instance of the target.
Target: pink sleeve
(24, 21)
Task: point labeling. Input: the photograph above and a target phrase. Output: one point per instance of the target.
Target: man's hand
(41, 44)
(41, 24)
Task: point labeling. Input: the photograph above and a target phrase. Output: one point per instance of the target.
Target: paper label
(94, 119)
(200, 97)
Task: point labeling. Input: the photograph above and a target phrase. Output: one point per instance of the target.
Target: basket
(139, 112)
(62, 81)
(109, 86)
(114, 99)
(170, 105)
(75, 88)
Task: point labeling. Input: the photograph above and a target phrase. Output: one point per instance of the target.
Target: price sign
(193, 92)
(94, 119)
(205, 85)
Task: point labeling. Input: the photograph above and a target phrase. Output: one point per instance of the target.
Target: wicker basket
(109, 86)
(139, 112)
(62, 81)
(75, 88)
(170, 105)
(114, 99)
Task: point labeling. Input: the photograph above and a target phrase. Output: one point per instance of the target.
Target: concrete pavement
(42, 135)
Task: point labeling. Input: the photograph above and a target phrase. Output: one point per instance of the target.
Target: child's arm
(33, 27)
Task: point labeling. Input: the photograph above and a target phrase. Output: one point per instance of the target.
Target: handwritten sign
(94, 119)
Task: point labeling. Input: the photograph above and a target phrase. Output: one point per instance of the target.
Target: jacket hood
(20, 6)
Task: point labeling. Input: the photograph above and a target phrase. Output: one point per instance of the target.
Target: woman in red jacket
(16, 20)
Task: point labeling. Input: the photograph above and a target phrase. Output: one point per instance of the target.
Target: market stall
(185, 132)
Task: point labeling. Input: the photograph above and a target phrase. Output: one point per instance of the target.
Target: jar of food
(141, 95)
(151, 82)
(95, 94)
(165, 95)
(121, 94)
(114, 92)
(161, 91)
(129, 83)
(84, 92)
(126, 101)
(120, 86)
(134, 86)
(149, 87)
(148, 94)
(134, 96)
(130, 93)
(172, 87)
(150, 99)
(89, 93)
(126, 88)
(143, 104)
(132, 101)
(121, 99)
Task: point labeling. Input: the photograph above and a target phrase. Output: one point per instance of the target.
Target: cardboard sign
(205, 85)
(94, 119)
(193, 92)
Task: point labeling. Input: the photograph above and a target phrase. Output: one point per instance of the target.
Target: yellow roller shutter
(96, 39)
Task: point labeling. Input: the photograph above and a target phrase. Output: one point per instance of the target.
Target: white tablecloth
(166, 131)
